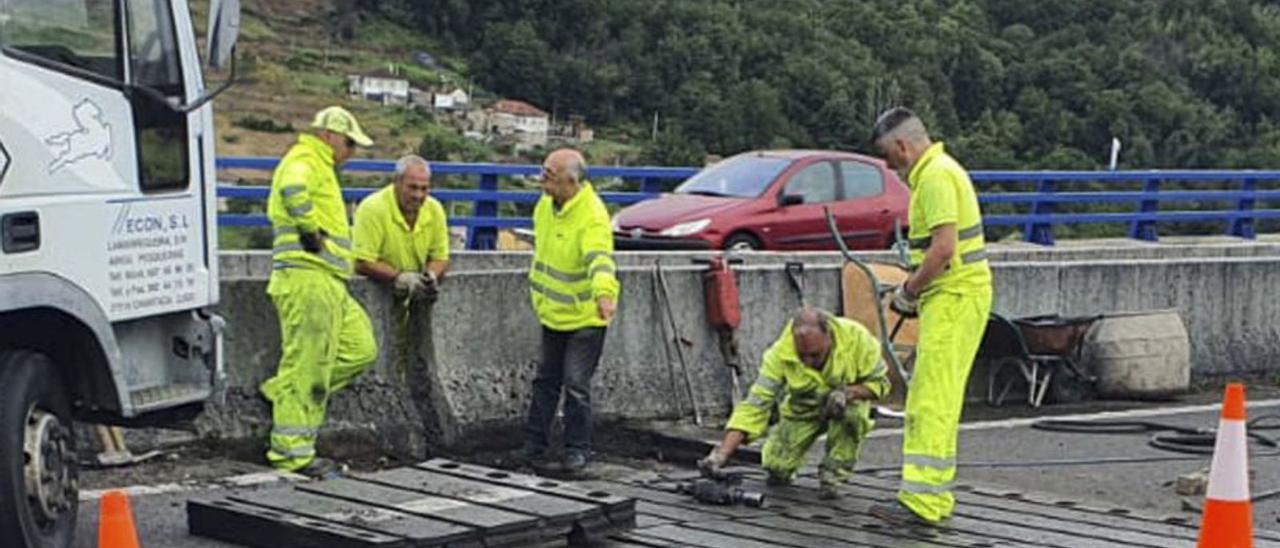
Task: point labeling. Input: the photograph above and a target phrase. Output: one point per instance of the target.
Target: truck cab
(108, 239)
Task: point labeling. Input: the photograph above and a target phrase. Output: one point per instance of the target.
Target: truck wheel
(39, 475)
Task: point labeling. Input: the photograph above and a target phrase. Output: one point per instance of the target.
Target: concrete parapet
(464, 366)
(258, 262)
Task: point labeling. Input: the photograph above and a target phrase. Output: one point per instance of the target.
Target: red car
(772, 200)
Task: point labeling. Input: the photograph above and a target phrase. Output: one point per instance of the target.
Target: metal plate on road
(796, 517)
(499, 526)
(253, 525)
(619, 511)
(554, 511)
(414, 507)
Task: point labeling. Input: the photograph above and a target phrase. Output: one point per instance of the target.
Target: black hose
(1044, 463)
(1196, 441)
(1192, 441)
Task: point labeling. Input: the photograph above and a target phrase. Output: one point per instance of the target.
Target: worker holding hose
(831, 370)
(950, 290)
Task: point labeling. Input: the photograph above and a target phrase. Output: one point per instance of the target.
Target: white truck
(108, 236)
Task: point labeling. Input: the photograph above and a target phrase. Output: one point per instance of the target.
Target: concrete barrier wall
(1225, 303)
(258, 263)
(462, 369)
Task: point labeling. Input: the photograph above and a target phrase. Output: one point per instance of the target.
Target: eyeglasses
(351, 143)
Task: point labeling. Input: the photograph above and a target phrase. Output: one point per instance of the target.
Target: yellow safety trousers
(789, 441)
(951, 328)
(326, 341)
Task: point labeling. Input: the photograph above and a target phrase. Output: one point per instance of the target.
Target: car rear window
(737, 177)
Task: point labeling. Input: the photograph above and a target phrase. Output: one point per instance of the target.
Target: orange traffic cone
(115, 522)
(1228, 512)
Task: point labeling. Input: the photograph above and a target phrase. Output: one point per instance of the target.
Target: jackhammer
(723, 489)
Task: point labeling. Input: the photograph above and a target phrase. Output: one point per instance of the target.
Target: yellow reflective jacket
(572, 261)
(305, 196)
(855, 359)
(942, 193)
(383, 235)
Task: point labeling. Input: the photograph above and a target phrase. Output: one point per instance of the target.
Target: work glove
(711, 464)
(904, 302)
(311, 241)
(836, 405)
(431, 286)
(410, 283)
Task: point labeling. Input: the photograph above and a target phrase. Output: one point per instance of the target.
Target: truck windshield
(737, 177)
(79, 33)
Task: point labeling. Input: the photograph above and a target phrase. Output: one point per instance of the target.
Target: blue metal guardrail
(1036, 224)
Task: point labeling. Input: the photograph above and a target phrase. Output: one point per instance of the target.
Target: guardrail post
(1242, 226)
(1145, 229)
(651, 185)
(1040, 232)
(485, 237)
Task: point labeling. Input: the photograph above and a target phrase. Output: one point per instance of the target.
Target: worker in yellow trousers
(831, 370)
(950, 289)
(326, 337)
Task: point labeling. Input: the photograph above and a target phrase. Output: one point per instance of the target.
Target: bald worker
(574, 288)
(831, 370)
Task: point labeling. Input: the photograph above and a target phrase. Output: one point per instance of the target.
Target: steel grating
(461, 505)
(795, 517)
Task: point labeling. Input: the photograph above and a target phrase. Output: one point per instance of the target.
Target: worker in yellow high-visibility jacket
(950, 289)
(831, 370)
(401, 234)
(574, 288)
(326, 337)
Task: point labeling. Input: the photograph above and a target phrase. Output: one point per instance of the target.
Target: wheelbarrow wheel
(1070, 385)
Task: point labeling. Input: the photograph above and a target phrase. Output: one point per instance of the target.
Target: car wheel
(742, 242)
(39, 475)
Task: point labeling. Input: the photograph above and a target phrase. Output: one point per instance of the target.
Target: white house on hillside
(451, 100)
(385, 87)
(526, 121)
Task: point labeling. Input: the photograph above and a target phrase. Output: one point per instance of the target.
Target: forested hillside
(1009, 83)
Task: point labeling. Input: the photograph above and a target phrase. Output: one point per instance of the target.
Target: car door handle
(20, 232)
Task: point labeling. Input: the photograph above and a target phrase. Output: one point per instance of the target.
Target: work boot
(531, 457)
(777, 480)
(575, 462)
(321, 468)
(829, 491)
(895, 513)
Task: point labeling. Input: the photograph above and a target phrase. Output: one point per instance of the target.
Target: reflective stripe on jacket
(941, 193)
(305, 196)
(572, 261)
(855, 359)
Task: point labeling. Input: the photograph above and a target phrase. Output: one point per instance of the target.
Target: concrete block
(233, 265)
(259, 263)
(453, 372)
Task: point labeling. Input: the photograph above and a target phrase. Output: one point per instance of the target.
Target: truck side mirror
(790, 200)
(224, 30)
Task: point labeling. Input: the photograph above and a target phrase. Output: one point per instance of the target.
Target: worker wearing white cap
(326, 337)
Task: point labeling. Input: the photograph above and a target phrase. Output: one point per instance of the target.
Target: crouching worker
(832, 371)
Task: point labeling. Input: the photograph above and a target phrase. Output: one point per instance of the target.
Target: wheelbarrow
(1044, 352)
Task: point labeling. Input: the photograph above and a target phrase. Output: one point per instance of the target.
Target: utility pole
(654, 136)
